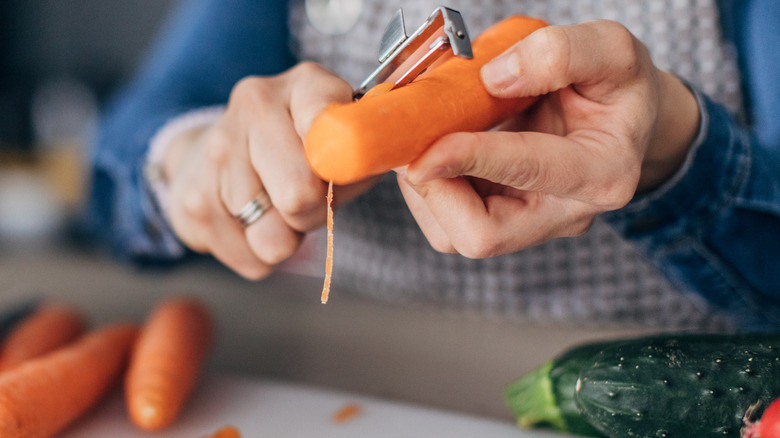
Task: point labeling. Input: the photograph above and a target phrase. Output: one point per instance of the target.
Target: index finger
(554, 57)
(571, 167)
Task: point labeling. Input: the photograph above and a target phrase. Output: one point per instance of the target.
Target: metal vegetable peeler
(402, 58)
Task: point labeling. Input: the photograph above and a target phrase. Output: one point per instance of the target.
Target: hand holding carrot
(255, 146)
(608, 123)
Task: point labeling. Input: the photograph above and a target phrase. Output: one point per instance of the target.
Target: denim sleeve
(714, 229)
(205, 48)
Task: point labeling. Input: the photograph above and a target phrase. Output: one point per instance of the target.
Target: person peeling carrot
(631, 120)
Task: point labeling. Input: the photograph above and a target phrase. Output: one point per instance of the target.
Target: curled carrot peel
(329, 255)
(387, 129)
(49, 327)
(43, 395)
(166, 361)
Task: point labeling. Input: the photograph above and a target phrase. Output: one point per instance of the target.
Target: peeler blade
(404, 58)
(394, 36)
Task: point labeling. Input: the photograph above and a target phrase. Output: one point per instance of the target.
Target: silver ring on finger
(254, 209)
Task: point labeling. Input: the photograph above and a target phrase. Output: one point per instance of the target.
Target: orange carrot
(387, 129)
(329, 256)
(41, 396)
(166, 361)
(225, 432)
(49, 327)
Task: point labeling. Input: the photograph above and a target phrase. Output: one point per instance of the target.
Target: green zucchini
(657, 386)
(679, 386)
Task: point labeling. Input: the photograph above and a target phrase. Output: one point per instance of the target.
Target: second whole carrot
(43, 395)
(390, 128)
(47, 328)
(166, 361)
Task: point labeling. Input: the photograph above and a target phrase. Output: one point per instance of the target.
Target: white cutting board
(262, 408)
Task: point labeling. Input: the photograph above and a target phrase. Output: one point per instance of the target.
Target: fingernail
(501, 72)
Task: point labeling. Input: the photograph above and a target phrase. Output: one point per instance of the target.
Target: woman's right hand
(255, 146)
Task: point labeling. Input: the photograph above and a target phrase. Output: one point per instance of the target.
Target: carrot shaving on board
(347, 412)
(329, 256)
(226, 432)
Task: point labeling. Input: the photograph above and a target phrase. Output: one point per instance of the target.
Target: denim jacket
(712, 229)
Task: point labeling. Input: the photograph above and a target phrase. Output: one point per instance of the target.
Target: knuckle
(254, 271)
(273, 245)
(620, 190)
(195, 204)
(554, 46)
(442, 245)
(622, 196)
(623, 42)
(306, 68)
(578, 228)
(273, 253)
(218, 147)
(279, 254)
(299, 200)
(478, 246)
(527, 173)
(251, 93)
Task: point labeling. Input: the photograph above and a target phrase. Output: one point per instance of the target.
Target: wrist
(166, 147)
(675, 131)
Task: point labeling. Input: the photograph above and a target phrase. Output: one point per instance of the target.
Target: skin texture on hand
(256, 145)
(608, 124)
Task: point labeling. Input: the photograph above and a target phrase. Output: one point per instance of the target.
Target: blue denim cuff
(715, 170)
(676, 225)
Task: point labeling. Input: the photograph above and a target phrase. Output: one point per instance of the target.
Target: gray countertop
(277, 328)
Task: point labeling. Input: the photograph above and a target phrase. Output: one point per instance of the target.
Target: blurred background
(59, 61)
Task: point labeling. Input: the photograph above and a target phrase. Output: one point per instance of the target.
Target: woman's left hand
(608, 123)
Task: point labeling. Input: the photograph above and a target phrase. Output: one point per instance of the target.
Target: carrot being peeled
(47, 328)
(166, 361)
(42, 396)
(386, 129)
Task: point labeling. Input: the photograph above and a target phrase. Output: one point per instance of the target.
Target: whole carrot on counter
(165, 362)
(41, 396)
(47, 328)
(387, 129)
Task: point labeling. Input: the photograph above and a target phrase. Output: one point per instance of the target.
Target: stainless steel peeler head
(402, 58)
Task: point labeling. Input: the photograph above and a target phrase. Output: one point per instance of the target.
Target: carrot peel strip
(329, 256)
